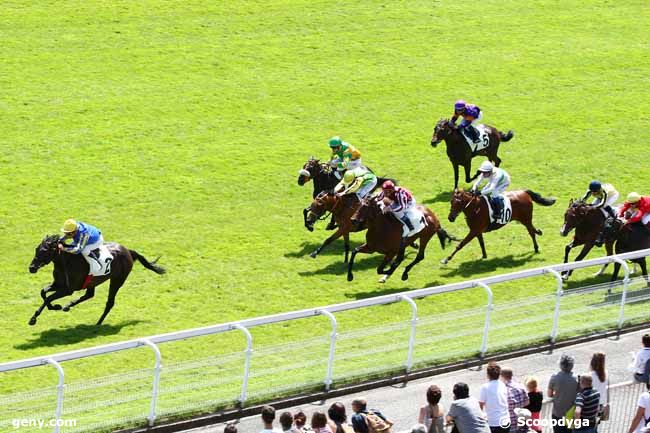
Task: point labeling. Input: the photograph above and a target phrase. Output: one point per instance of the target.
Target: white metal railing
(244, 325)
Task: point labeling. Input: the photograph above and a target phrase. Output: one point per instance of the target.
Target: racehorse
(384, 236)
(588, 222)
(477, 215)
(70, 271)
(342, 209)
(626, 238)
(459, 152)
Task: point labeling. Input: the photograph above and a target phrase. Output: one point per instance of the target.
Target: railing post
(156, 380)
(330, 359)
(414, 322)
(558, 296)
(626, 281)
(59, 393)
(247, 362)
(488, 312)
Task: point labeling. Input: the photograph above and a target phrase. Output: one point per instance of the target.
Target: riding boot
(407, 222)
(610, 211)
(472, 133)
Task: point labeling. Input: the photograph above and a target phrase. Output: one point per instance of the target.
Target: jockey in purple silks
(471, 114)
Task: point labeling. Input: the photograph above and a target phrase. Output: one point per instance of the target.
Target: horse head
(460, 200)
(45, 253)
(322, 203)
(441, 131)
(309, 170)
(367, 211)
(579, 213)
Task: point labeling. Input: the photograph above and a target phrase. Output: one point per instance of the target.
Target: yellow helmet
(348, 177)
(633, 197)
(69, 226)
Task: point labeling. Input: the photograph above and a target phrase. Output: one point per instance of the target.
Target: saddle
(506, 212)
(483, 138)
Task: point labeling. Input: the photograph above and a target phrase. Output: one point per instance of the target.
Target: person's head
(531, 384)
(595, 186)
(230, 428)
(359, 404)
(336, 412)
(566, 363)
(433, 395)
(318, 420)
(493, 370)
(286, 420)
(585, 381)
(69, 228)
(506, 374)
(335, 143)
(419, 428)
(645, 340)
(348, 177)
(461, 390)
(633, 199)
(598, 365)
(486, 168)
(300, 418)
(388, 187)
(268, 414)
(459, 106)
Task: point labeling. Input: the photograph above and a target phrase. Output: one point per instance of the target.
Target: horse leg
(360, 249)
(346, 239)
(455, 175)
(496, 160)
(398, 260)
(644, 270)
(90, 292)
(328, 241)
(609, 248)
(418, 258)
(468, 166)
(532, 232)
(567, 250)
(382, 266)
(617, 268)
(48, 303)
(482, 244)
(471, 235)
(112, 292)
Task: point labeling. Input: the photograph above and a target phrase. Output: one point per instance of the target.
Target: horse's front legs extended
(48, 302)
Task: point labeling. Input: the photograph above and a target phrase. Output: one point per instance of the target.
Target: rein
(65, 268)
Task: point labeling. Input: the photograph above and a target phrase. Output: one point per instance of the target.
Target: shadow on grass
(443, 196)
(74, 334)
(334, 249)
(361, 263)
(383, 290)
(472, 268)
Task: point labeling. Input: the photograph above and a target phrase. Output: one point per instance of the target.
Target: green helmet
(335, 141)
(349, 177)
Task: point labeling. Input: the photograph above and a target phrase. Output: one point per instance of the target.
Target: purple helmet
(460, 105)
(472, 110)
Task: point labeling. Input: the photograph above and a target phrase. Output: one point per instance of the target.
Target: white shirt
(644, 402)
(497, 182)
(640, 359)
(494, 395)
(599, 386)
(270, 431)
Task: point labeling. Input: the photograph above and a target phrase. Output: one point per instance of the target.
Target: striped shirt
(403, 199)
(588, 400)
(517, 397)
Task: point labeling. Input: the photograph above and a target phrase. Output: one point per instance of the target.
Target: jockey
(497, 182)
(402, 202)
(359, 181)
(85, 240)
(344, 156)
(471, 114)
(604, 194)
(636, 209)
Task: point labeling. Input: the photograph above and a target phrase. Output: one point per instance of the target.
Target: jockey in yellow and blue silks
(344, 156)
(471, 114)
(84, 239)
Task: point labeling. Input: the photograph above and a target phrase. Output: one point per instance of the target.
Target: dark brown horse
(70, 271)
(324, 180)
(477, 215)
(627, 238)
(459, 152)
(384, 236)
(342, 209)
(588, 222)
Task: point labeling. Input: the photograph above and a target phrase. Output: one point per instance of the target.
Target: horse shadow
(389, 291)
(74, 334)
(443, 196)
(336, 248)
(472, 268)
(340, 268)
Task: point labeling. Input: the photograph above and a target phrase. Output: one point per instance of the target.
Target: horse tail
(507, 136)
(539, 199)
(443, 236)
(152, 266)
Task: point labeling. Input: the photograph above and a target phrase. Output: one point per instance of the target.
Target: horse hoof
(32, 321)
(66, 308)
(383, 278)
(350, 277)
(405, 276)
(310, 228)
(565, 278)
(56, 307)
(444, 261)
(314, 254)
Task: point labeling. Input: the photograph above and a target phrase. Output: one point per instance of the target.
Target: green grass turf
(178, 129)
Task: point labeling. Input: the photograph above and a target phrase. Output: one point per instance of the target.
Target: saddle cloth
(483, 138)
(102, 259)
(418, 221)
(506, 215)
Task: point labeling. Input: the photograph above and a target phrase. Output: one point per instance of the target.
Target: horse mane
(48, 239)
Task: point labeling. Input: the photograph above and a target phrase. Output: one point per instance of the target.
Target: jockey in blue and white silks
(83, 239)
(497, 182)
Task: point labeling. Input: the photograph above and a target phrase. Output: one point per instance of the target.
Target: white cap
(486, 166)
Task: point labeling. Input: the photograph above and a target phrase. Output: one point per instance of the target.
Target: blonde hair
(531, 382)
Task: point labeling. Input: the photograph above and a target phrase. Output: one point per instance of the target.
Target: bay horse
(588, 222)
(627, 238)
(342, 209)
(458, 150)
(384, 236)
(70, 271)
(477, 215)
(324, 180)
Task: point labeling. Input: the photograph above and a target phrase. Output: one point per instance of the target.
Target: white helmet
(486, 167)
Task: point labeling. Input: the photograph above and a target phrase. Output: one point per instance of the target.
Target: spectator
(433, 412)
(517, 398)
(493, 399)
(600, 382)
(338, 419)
(563, 387)
(642, 416)
(230, 428)
(360, 417)
(286, 421)
(419, 428)
(301, 419)
(535, 397)
(268, 416)
(587, 403)
(642, 356)
(319, 423)
(465, 412)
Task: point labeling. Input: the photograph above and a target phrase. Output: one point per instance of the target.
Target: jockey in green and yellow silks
(344, 156)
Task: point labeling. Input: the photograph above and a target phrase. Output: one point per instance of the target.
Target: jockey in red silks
(471, 114)
(636, 209)
(402, 202)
